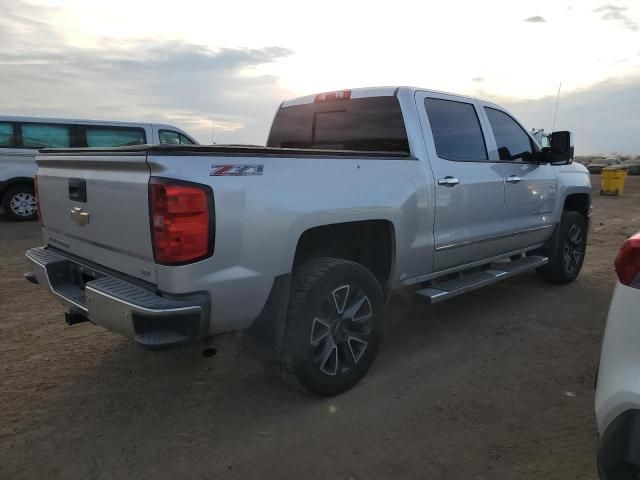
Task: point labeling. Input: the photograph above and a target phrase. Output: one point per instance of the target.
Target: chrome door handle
(513, 179)
(448, 181)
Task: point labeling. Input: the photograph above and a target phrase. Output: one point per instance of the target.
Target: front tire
(334, 326)
(19, 203)
(567, 256)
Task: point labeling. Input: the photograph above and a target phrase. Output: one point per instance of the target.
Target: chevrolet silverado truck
(299, 243)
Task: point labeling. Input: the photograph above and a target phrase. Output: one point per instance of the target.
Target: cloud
(535, 19)
(616, 14)
(603, 117)
(477, 79)
(144, 80)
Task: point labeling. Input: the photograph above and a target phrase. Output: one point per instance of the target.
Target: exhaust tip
(209, 352)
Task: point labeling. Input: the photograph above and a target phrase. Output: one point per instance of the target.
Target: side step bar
(439, 291)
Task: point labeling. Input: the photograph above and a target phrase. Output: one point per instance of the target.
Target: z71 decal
(235, 170)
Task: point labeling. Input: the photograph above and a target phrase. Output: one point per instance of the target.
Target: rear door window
(456, 130)
(363, 124)
(98, 136)
(512, 141)
(7, 137)
(43, 135)
(174, 138)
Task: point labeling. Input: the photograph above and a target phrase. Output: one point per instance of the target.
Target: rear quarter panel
(260, 218)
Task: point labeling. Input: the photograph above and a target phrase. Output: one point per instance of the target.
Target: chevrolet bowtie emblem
(78, 216)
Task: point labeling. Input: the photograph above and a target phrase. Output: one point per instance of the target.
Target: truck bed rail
(227, 150)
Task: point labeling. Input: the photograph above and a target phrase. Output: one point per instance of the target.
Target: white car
(22, 137)
(618, 384)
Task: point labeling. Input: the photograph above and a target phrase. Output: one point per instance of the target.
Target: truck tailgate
(96, 207)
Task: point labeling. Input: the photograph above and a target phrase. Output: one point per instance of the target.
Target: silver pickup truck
(299, 243)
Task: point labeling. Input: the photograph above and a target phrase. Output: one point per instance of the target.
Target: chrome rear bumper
(154, 320)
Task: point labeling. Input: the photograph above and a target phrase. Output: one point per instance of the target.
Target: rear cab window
(174, 138)
(361, 124)
(456, 130)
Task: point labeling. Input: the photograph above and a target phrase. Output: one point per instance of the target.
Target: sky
(223, 67)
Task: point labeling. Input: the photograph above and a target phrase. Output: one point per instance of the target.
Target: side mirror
(561, 150)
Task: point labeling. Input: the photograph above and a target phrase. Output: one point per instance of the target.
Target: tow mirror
(561, 150)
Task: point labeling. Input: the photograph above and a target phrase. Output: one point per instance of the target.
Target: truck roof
(364, 92)
(25, 118)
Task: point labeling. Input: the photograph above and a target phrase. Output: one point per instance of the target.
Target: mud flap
(263, 340)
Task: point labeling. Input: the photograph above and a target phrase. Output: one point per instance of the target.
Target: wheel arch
(578, 202)
(371, 243)
(7, 184)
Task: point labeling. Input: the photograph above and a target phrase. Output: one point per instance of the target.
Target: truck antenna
(555, 113)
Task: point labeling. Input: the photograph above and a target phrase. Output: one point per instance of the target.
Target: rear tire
(19, 203)
(567, 257)
(334, 326)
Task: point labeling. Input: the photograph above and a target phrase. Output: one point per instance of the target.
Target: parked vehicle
(633, 166)
(357, 193)
(618, 385)
(596, 166)
(540, 136)
(586, 160)
(22, 137)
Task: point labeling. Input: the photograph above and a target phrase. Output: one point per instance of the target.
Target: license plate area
(68, 279)
(81, 275)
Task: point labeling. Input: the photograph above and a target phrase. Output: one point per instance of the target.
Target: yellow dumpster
(613, 178)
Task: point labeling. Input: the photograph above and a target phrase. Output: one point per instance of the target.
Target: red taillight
(330, 96)
(182, 220)
(35, 191)
(628, 260)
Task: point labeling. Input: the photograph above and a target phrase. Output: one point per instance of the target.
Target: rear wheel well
(370, 243)
(578, 202)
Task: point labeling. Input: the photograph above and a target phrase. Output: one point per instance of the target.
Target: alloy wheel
(23, 204)
(573, 248)
(340, 332)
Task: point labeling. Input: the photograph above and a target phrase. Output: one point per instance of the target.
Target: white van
(22, 137)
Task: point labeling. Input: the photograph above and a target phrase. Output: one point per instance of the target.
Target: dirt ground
(496, 384)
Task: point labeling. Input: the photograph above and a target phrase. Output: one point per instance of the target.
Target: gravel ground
(496, 384)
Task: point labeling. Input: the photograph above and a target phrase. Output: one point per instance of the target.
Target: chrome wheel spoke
(360, 310)
(575, 235)
(578, 237)
(357, 345)
(319, 331)
(567, 258)
(346, 355)
(576, 256)
(329, 360)
(340, 296)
